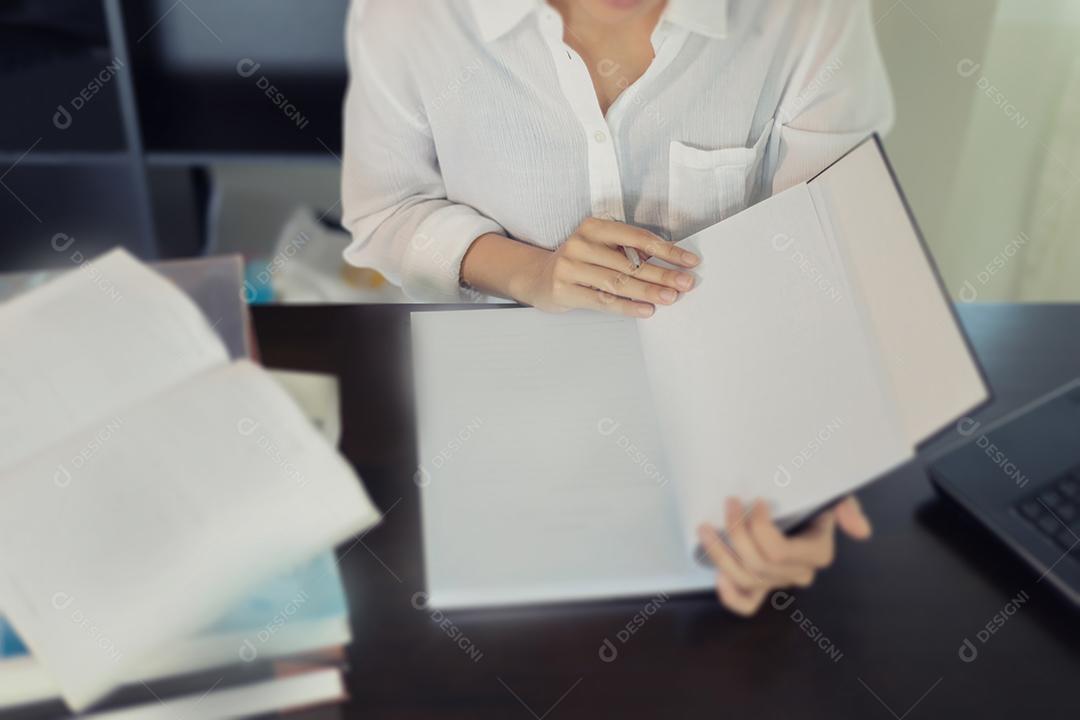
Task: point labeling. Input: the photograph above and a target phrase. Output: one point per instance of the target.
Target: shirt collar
(706, 17)
(498, 17)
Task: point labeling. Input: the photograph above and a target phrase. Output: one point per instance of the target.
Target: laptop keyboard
(1054, 510)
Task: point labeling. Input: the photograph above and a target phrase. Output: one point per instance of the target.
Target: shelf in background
(54, 158)
(62, 105)
(203, 159)
(91, 206)
(218, 116)
(116, 109)
(236, 79)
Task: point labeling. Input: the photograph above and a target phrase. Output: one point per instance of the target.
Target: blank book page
(541, 470)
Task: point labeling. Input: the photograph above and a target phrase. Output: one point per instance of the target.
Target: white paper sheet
(147, 486)
(83, 347)
(541, 469)
(213, 488)
(923, 351)
(763, 381)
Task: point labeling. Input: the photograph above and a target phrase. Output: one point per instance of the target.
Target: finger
(773, 545)
(579, 296)
(852, 520)
(609, 257)
(738, 532)
(816, 546)
(627, 286)
(740, 602)
(650, 272)
(776, 548)
(725, 561)
(802, 576)
(616, 234)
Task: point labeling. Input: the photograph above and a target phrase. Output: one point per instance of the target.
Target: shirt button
(600, 136)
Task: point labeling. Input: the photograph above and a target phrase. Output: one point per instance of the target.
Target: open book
(149, 484)
(573, 456)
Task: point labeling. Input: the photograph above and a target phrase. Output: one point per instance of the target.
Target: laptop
(1020, 477)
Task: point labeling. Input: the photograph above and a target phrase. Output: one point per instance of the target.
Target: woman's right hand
(590, 270)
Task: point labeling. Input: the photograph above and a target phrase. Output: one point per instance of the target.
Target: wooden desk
(894, 611)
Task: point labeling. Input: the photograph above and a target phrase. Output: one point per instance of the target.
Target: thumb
(852, 520)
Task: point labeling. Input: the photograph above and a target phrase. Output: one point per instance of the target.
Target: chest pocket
(707, 186)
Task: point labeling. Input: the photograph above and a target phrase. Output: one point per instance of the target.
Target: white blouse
(465, 117)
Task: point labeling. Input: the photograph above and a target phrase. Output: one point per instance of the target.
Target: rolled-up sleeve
(394, 201)
(838, 95)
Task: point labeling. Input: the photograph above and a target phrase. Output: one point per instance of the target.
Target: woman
(538, 150)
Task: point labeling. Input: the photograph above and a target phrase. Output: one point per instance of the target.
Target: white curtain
(1012, 230)
(1052, 269)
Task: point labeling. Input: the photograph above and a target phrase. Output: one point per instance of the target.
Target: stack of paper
(163, 511)
(295, 626)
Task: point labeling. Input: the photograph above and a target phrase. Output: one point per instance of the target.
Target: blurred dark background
(126, 120)
(188, 127)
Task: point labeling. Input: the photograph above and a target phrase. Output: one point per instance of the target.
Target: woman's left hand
(758, 558)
